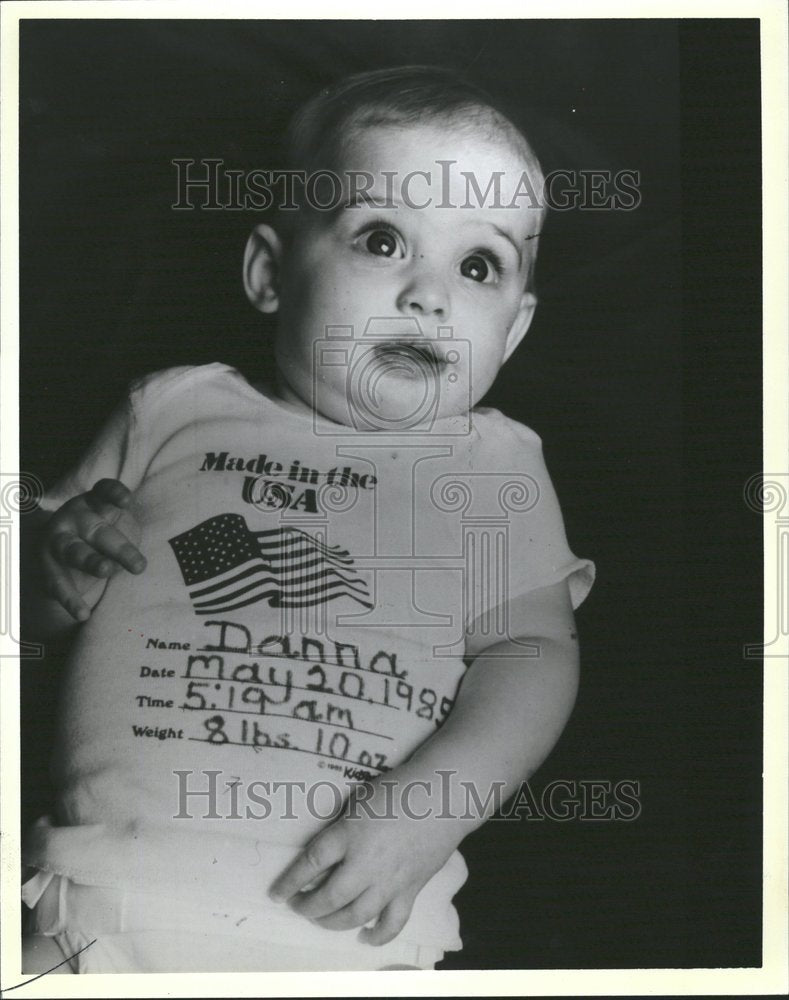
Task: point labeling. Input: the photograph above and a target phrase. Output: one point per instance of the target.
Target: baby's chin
(395, 401)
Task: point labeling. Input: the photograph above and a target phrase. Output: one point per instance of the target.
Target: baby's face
(415, 272)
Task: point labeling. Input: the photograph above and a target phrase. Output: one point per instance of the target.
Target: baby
(325, 620)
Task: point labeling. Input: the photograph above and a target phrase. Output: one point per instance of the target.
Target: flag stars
(286, 567)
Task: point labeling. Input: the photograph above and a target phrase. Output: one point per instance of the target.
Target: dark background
(642, 373)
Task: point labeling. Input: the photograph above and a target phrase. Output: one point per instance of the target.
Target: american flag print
(227, 566)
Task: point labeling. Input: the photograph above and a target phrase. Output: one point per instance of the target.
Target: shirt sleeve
(121, 450)
(109, 456)
(518, 543)
(131, 434)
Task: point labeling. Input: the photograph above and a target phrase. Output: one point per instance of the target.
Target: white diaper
(103, 929)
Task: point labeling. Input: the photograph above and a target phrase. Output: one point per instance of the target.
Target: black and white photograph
(395, 492)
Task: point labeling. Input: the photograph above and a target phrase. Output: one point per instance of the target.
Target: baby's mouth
(422, 352)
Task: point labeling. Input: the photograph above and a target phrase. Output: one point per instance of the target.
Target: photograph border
(773, 976)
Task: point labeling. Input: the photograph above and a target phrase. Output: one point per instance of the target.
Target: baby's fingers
(86, 551)
(111, 491)
(70, 550)
(393, 919)
(318, 856)
(361, 910)
(116, 545)
(60, 587)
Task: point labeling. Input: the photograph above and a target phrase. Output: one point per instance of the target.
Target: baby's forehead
(478, 130)
(435, 165)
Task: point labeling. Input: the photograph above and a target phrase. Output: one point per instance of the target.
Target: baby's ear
(262, 259)
(521, 323)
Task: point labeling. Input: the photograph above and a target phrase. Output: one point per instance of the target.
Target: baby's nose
(424, 294)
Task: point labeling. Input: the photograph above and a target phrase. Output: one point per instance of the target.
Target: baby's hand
(81, 535)
(367, 868)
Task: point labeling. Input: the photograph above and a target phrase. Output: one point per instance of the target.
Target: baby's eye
(379, 238)
(479, 268)
(382, 243)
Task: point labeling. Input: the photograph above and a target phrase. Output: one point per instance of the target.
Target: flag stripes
(226, 566)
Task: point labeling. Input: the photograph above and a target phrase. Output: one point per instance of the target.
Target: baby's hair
(321, 129)
(321, 132)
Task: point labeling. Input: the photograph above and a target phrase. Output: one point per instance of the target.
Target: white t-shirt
(300, 627)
